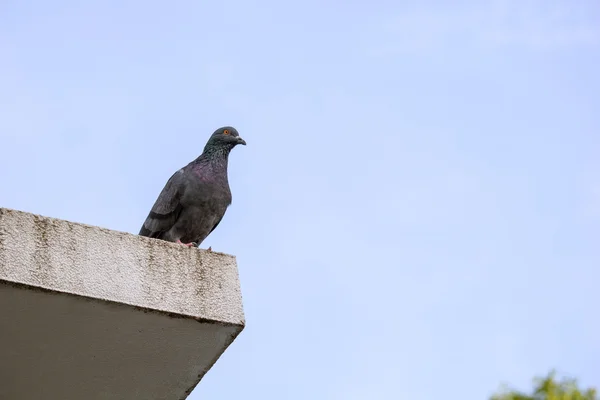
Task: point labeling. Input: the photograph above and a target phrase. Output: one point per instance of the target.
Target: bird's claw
(187, 244)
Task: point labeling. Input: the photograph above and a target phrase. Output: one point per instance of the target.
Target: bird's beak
(241, 141)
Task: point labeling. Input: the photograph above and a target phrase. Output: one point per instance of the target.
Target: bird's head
(227, 137)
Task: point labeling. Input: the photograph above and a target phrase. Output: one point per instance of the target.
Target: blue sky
(416, 214)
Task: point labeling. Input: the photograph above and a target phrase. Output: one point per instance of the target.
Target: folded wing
(166, 209)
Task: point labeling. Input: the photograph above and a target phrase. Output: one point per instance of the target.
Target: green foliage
(549, 388)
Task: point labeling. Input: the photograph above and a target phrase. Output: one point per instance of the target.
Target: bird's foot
(186, 244)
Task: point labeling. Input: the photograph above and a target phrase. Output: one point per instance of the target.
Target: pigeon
(195, 198)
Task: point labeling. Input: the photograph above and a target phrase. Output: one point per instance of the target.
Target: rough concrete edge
(108, 230)
(240, 327)
(153, 241)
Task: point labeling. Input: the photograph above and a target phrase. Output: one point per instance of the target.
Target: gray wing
(216, 224)
(167, 207)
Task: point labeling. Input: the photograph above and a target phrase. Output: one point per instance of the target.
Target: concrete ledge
(98, 314)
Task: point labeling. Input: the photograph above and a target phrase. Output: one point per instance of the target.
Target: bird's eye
(226, 132)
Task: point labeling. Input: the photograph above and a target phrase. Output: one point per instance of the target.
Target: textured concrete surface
(89, 313)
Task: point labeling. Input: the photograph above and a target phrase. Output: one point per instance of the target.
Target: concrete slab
(90, 313)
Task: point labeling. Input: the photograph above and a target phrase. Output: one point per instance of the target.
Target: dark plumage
(195, 198)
